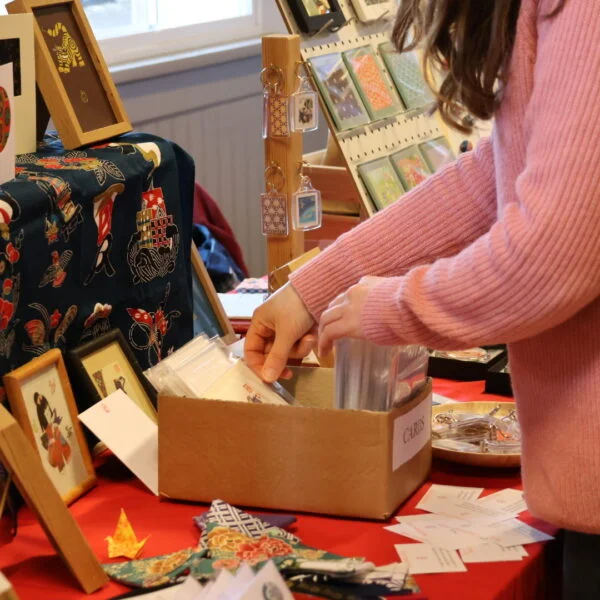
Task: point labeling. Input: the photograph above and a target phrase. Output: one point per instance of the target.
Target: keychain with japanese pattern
(273, 203)
(276, 105)
(305, 106)
(307, 212)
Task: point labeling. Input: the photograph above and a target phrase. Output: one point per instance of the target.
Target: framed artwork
(42, 402)
(16, 47)
(209, 315)
(337, 87)
(71, 73)
(107, 364)
(410, 166)
(381, 181)
(40, 494)
(7, 127)
(313, 15)
(405, 70)
(373, 10)
(437, 153)
(380, 98)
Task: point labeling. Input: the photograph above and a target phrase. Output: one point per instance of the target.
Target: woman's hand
(342, 317)
(279, 331)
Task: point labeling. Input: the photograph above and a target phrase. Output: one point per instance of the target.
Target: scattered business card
(423, 558)
(508, 500)
(492, 553)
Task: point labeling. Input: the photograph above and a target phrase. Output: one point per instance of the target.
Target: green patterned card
(381, 181)
(405, 70)
(410, 166)
(437, 153)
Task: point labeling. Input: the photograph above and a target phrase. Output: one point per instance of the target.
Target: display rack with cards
(349, 48)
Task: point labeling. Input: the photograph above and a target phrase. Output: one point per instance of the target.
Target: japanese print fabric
(96, 239)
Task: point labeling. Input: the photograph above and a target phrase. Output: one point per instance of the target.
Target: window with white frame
(131, 30)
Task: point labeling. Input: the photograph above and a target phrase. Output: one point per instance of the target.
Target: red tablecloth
(37, 573)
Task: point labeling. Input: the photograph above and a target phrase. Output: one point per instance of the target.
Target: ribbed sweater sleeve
(539, 264)
(438, 218)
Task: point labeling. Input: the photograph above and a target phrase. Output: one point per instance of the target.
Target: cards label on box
(412, 431)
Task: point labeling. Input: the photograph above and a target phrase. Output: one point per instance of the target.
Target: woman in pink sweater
(501, 246)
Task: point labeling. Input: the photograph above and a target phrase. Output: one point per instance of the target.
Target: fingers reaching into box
(278, 331)
(342, 317)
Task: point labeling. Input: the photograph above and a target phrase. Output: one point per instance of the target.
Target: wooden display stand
(283, 53)
(342, 207)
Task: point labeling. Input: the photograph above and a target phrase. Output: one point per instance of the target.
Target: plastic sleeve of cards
(205, 368)
(378, 378)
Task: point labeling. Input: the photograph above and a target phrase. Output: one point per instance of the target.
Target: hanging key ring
(271, 78)
(274, 177)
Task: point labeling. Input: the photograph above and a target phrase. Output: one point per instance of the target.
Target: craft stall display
(375, 100)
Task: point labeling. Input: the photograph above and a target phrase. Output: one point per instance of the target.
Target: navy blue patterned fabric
(96, 239)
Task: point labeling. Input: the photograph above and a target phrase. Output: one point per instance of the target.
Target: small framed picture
(410, 166)
(314, 15)
(73, 78)
(209, 314)
(437, 153)
(405, 70)
(373, 10)
(379, 96)
(107, 364)
(341, 96)
(306, 212)
(381, 181)
(42, 401)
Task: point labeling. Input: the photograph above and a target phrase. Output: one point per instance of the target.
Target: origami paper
(124, 541)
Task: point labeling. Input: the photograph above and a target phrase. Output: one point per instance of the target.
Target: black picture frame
(79, 356)
(313, 24)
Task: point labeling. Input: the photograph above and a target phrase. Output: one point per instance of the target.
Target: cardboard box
(310, 458)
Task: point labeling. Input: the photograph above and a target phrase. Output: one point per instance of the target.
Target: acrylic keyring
(273, 203)
(304, 104)
(307, 210)
(276, 105)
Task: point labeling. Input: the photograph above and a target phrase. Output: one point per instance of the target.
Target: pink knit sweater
(504, 246)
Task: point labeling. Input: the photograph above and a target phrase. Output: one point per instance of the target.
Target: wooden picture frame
(313, 16)
(42, 401)
(373, 10)
(16, 47)
(40, 494)
(208, 312)
(73, 78)
(106, 364)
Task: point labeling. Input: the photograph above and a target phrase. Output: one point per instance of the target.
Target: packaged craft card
(381, 181)
(437, 153)
(373, 10)
(341, 96)
(378, 95)
(410, 166)
(314, 15)
(405, 70)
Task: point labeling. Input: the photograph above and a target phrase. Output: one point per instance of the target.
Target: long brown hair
(469, 42)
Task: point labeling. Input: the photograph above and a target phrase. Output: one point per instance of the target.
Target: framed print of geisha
(73, 78)
(42, 402)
